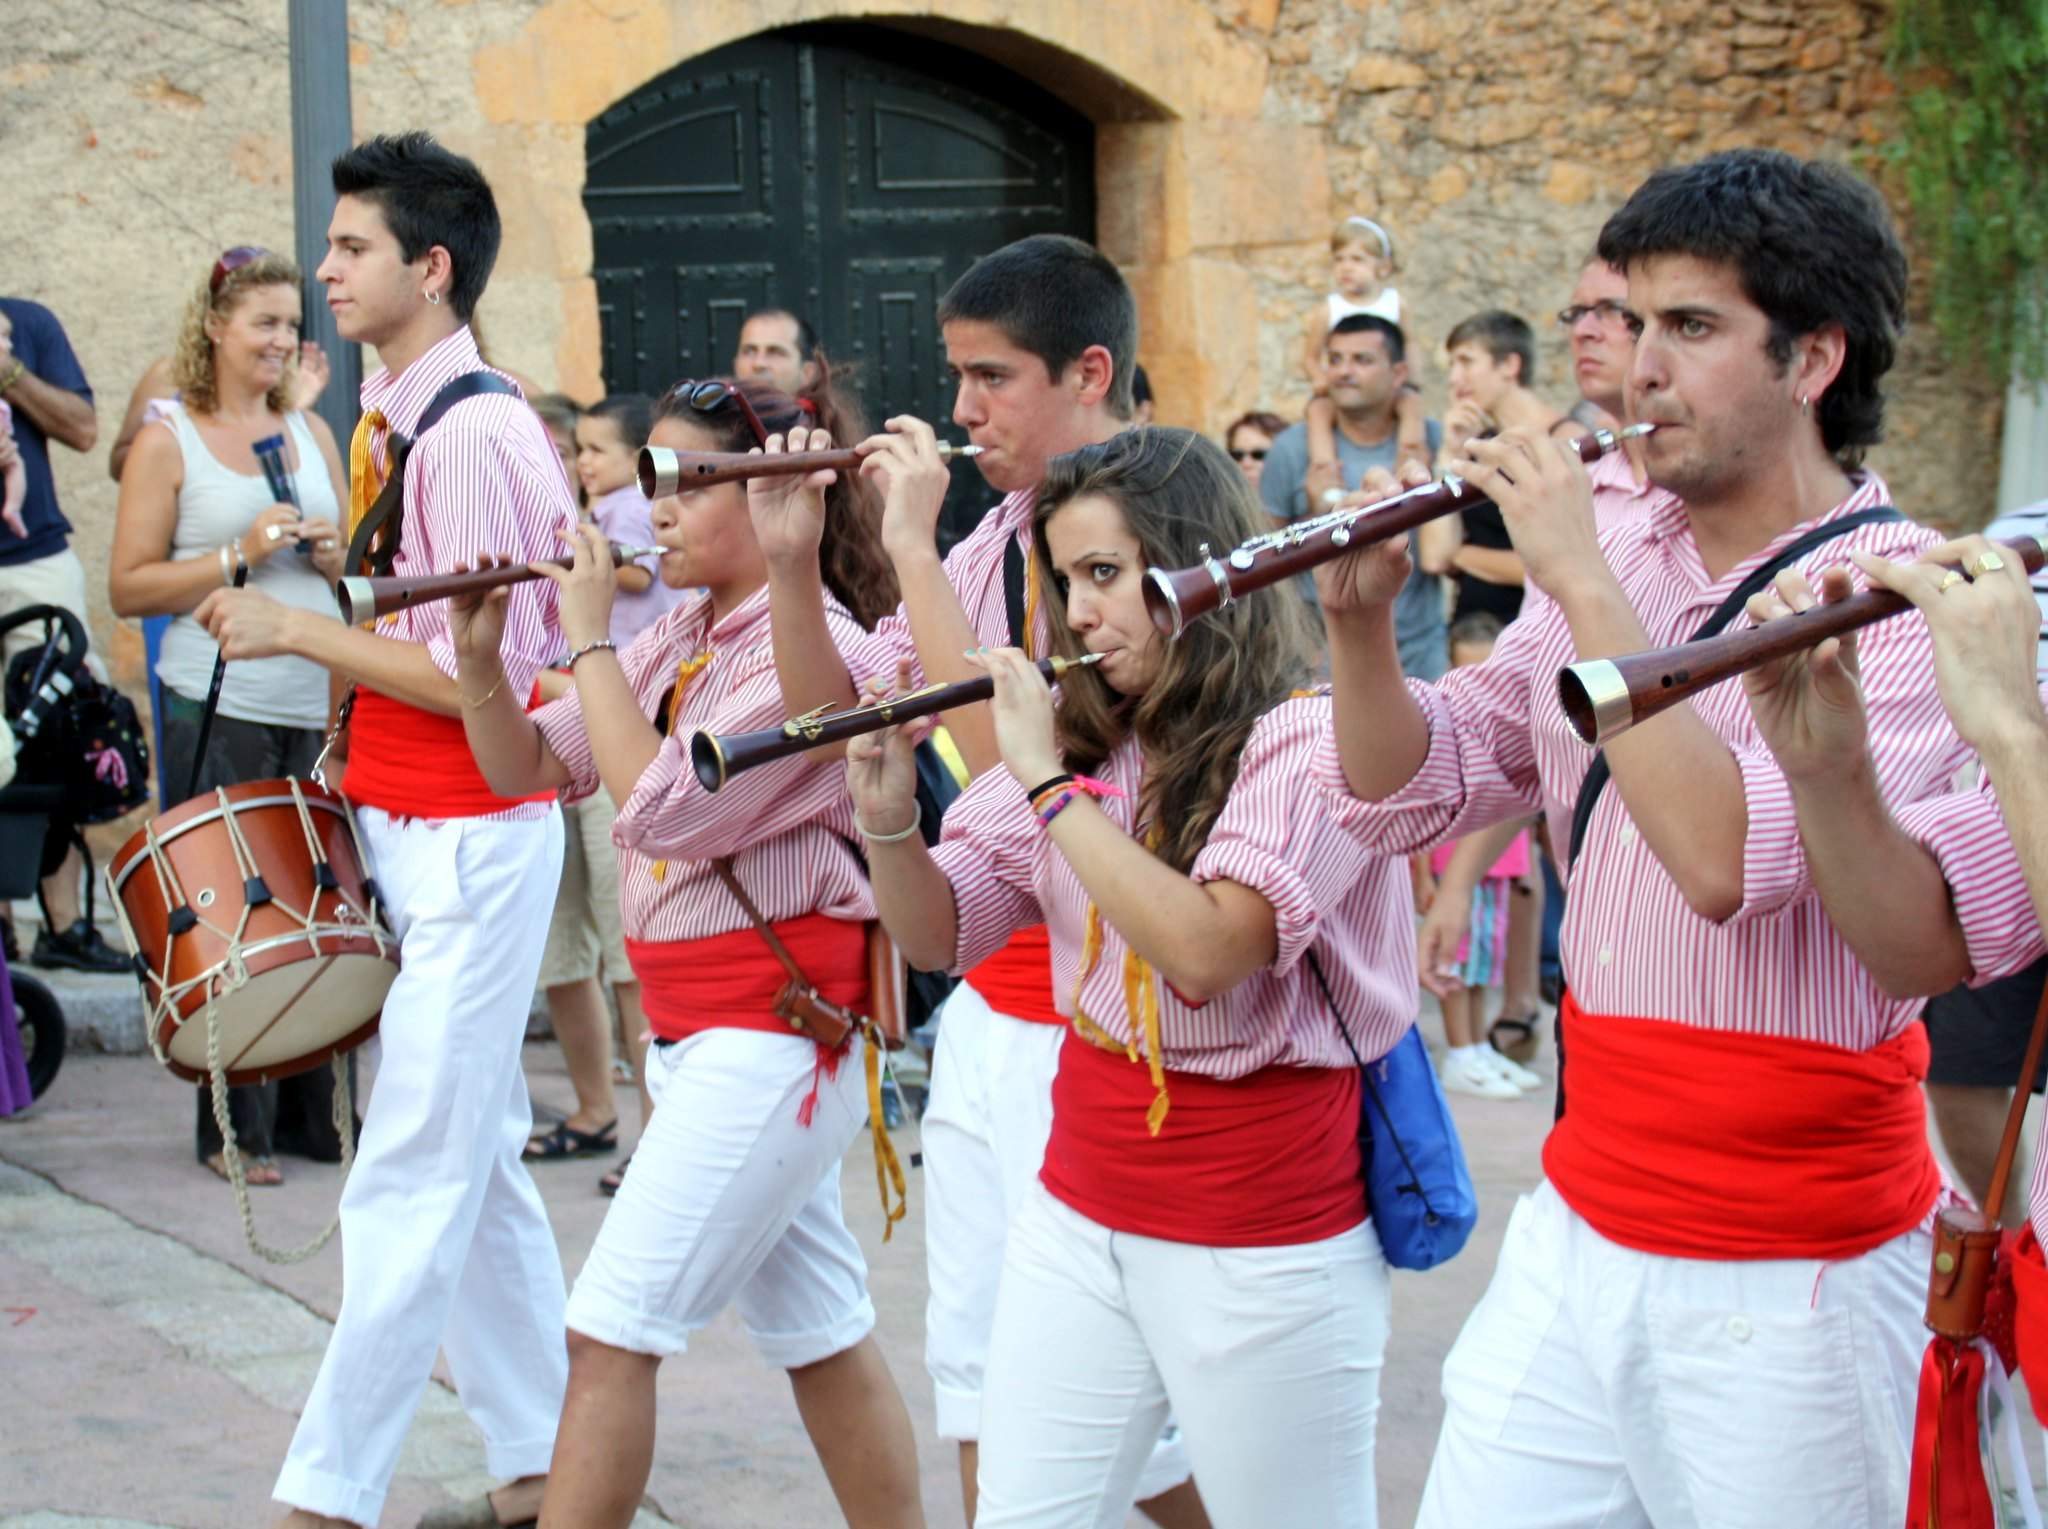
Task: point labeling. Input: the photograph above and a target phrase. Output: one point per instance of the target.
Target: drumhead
(288, 1018)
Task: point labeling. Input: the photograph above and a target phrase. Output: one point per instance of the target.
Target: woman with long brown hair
(1197, 1240)
(734, 1193)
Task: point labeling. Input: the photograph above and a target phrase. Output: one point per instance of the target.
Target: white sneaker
(1523, 1079)
(1466, 1072)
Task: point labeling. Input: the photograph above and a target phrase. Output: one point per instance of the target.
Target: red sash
(1695, 1143)
(1261, 1161)
(1017, 980)
(416, 764)
(730, 981)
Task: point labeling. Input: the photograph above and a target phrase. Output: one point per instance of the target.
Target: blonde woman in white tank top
(194, 505)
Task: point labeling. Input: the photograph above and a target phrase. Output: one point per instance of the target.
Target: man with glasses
(1596, 323)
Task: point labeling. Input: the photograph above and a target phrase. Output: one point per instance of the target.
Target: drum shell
(348, 964)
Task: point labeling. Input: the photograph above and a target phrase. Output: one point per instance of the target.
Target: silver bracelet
(230, 559)
(590, 647)
(895, 838)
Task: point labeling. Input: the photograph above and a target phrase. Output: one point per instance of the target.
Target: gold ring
(1990, 562)
(1947, 581)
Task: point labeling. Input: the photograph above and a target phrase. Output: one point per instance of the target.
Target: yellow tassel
(1029, 636)
(888, 1167)
(686, 671)
(1141, 1004)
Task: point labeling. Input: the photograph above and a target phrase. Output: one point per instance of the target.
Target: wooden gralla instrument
(663, 472)
(1177, 597)
(369, 599)
(1603, 697)
(717, 757)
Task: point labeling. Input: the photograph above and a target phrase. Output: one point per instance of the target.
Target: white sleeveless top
(217, 505)
(1386, 306)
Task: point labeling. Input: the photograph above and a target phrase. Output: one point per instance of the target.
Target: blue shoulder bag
(1416, 1184)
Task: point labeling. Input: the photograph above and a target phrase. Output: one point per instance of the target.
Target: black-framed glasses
(1607, 311)
(1249, 453)
(232, 261)
(710, 395)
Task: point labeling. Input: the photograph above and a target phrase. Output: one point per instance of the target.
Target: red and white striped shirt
(486, 478)
(1500, 745)
(1275, 835)
(788, 826)
(1617, 498)
(975, 570)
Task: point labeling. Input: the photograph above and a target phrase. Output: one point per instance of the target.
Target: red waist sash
(1260, 1161)
(730, 981)
(1017, 980)
(416, 764)
(1695, 1143)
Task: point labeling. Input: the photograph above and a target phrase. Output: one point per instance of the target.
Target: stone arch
(1187, 178)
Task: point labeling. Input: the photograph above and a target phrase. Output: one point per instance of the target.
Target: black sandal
(615, 1177)
(1514, 1036)
(565, 1141)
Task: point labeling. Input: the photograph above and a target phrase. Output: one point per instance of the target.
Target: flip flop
(565, 1141)
(1514, 1036)
(217, 1166)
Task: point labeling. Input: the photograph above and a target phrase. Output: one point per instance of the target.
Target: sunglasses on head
(708, 397)
(1249, 453)
(232, 261)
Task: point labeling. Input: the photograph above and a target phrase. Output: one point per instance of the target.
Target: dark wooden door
(847, 173)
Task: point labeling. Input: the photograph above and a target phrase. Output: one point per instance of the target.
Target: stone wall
(1491, 137)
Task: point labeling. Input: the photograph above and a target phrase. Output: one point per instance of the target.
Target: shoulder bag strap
(1013, 594)
(767, 931)
(1596, 775)
(390, 503)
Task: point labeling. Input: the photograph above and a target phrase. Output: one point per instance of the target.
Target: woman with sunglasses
(1197, 1239)
(734, 1193)
(195, 508)
(1248, 439)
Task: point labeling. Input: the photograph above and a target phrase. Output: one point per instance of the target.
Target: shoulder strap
(390, 504)
(1013, 594)
(732, 882)
(1596, 776)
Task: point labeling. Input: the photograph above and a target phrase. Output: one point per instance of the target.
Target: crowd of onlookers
(196, 509)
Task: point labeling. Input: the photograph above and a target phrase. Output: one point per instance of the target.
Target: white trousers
(445, 1243)
(732, 1198)
(984, 1134)
(1268, 1357)
(1596, 1387)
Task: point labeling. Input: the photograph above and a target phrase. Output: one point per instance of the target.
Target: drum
(250, 912)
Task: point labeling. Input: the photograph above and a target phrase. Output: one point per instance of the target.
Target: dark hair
(1141, 387)
(558, 411)
(806, 337)
(633, 413)
(1054, 296)
(855, 569)
(1502, 334)
(1812, 245)
(1268, 425)
(1177, 491)
(1476, 626)
(1372, 323)
(428, 196)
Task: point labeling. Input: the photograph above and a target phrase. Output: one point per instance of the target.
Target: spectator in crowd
(1249, 438)
(1362, 267)
(159, 382)
(1597, 322)
(45, 388)
(1365, 360)
(13, 476)
(586, 940)
(1493, 371)
(780, 349)
(1141, 397)
(195, 506)
(559, 412)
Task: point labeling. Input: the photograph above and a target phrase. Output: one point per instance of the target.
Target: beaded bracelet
(1057, 805)
(569, 663)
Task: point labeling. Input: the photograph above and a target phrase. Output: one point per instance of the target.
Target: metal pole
(321, 130)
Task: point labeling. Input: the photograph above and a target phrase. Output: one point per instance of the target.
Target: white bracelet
(590, 647)
(899, 836)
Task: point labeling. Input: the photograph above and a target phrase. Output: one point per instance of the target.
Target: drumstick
(220, 668)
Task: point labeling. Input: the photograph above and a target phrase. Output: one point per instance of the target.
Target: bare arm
(156, 382)
(1437, 543)
(1494, 565)
(249, 624)
(59, 414)
(510, 752)
(942, 633)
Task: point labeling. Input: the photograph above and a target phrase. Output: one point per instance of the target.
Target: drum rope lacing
(231, 973)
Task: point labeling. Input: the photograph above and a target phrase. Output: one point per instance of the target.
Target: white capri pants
(984, 1135)
(731, 1199)
(1596, 1387)
(444, 1241)
(1269, 1358)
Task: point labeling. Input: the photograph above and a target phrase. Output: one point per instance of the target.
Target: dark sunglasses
(232, 261)
(710, 396)
(1607, 311)
(1249, 453)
